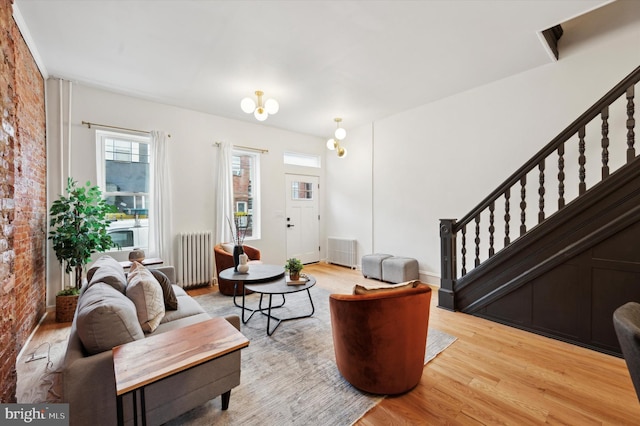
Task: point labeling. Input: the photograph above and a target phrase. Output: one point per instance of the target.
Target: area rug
(290, 378)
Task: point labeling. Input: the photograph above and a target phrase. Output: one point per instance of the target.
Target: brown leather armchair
(380, 338)
(224, 260)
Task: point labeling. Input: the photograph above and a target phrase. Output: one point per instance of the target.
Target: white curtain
(224, 195)
(160, 232)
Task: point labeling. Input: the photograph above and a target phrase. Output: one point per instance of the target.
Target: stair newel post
(446, 293)
(631, 122)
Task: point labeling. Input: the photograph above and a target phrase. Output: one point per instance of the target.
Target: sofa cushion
(107, 270)
(145, 292)
(187, 307)
(379, 288)
(105, 318)
(169, 296)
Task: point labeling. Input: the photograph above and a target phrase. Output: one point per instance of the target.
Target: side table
(143, 362)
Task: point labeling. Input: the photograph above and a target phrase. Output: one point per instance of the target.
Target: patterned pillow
(145, 292)
(371, 289)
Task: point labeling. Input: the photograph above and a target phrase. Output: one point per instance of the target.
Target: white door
(302, 219)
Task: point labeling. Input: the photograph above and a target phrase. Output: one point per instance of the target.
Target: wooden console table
(143, 362)
(146, 262)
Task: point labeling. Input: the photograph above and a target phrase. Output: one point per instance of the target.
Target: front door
(302, 218)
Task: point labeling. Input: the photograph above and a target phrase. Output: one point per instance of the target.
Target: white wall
(349, 210)
(192, 153)
(441, 159)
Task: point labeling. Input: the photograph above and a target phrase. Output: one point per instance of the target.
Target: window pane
(299, 159)
(301, 190)
(244, 171)
(126, 172)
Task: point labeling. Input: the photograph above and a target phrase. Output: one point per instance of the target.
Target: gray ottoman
(372, 265)
(399, 269)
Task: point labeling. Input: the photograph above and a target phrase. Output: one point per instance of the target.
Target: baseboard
(33, 333)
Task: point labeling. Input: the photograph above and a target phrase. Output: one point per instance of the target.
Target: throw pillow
(105, 319)
(145, 292)
(107, 270)
(170, 298)
(228, 247)
(371, 289)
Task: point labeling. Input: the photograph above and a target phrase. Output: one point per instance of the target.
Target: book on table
(301, 281)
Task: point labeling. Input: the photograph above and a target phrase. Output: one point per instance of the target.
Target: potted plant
(293, 266)
(78, 228)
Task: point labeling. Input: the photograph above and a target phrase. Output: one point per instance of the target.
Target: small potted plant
(78, 228)
(293, 266)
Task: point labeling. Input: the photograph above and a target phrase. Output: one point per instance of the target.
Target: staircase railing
(453, 233)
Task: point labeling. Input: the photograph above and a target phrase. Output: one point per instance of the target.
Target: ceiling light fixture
(260, 111)
(334, 143)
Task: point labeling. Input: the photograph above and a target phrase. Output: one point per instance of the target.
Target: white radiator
(342, 251)
(195, 259)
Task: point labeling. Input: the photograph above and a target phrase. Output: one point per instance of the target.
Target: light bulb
(340, 133)
(342, 152)
(261, 114)
(248, 105)
(331, 144)
(271, 106)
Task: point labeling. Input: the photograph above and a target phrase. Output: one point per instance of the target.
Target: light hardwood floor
(493, 374)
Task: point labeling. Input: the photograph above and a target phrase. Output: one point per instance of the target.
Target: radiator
(195, 259)
(342, 251)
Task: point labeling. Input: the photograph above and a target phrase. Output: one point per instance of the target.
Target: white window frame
(255, 211)
(101, 136)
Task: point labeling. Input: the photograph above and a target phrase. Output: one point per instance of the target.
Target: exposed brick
(22, 198)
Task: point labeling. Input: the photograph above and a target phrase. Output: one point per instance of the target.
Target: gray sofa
(105, 318)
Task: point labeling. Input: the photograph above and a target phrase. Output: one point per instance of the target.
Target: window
(124, 175)
(301, 191)
(299, 159)
(246, 190)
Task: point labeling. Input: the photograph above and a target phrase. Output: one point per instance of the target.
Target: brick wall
(23, 201)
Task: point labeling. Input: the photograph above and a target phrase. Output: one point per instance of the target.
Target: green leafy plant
(69, 291)
(293, 266)
(79, 227)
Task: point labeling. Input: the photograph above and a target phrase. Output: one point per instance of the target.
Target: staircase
(576, 257)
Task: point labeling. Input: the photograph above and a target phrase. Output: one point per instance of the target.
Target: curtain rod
(247, 148)
(106, 126)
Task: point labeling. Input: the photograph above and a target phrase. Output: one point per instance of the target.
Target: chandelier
(259, 109)
(334, 143)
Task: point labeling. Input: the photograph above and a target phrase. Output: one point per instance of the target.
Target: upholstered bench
(372, 265)
(399, 269)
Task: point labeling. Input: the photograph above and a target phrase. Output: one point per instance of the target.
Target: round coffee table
(257, 273)
(281, 287)
(267, 280)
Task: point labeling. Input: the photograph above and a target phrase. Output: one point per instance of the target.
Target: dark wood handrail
(552, 146)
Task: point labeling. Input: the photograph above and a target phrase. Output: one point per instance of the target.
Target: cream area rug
(291, 377)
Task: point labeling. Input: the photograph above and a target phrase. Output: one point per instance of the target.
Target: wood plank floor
(493, 374)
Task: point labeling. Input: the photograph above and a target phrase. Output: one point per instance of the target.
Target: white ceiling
(359, 60)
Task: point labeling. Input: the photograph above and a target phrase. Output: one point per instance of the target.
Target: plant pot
(295, 276)
(66, 308)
